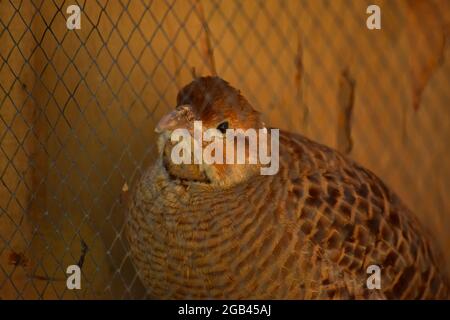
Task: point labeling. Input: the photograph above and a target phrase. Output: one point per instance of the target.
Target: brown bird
(310, 231)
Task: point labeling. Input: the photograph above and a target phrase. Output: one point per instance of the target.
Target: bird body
(308, 232)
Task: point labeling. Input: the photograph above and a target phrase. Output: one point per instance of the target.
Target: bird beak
(179, 118)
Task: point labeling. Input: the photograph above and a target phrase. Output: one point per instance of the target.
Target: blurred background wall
(78, 110)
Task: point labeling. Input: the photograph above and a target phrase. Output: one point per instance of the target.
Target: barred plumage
(308, 232)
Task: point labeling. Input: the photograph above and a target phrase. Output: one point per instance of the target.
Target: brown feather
(308, 232)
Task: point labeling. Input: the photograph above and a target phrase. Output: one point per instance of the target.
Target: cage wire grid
(78, 109)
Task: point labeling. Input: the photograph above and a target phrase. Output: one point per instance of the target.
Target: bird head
(220, 107)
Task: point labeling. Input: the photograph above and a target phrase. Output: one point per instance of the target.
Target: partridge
(310, 231)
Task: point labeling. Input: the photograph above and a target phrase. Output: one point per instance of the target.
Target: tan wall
(93, 109)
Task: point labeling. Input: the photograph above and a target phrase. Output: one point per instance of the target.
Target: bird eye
(223, 127)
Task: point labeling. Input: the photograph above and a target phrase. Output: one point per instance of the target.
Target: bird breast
(194, 240)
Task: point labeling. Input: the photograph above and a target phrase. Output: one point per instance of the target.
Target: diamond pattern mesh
(78, 109)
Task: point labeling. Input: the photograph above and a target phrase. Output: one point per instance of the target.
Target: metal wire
(78, 108)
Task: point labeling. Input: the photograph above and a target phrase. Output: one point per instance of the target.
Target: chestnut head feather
(212, 98)
(219, 106)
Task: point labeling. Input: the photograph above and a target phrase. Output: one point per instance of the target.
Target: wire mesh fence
(78, 109)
